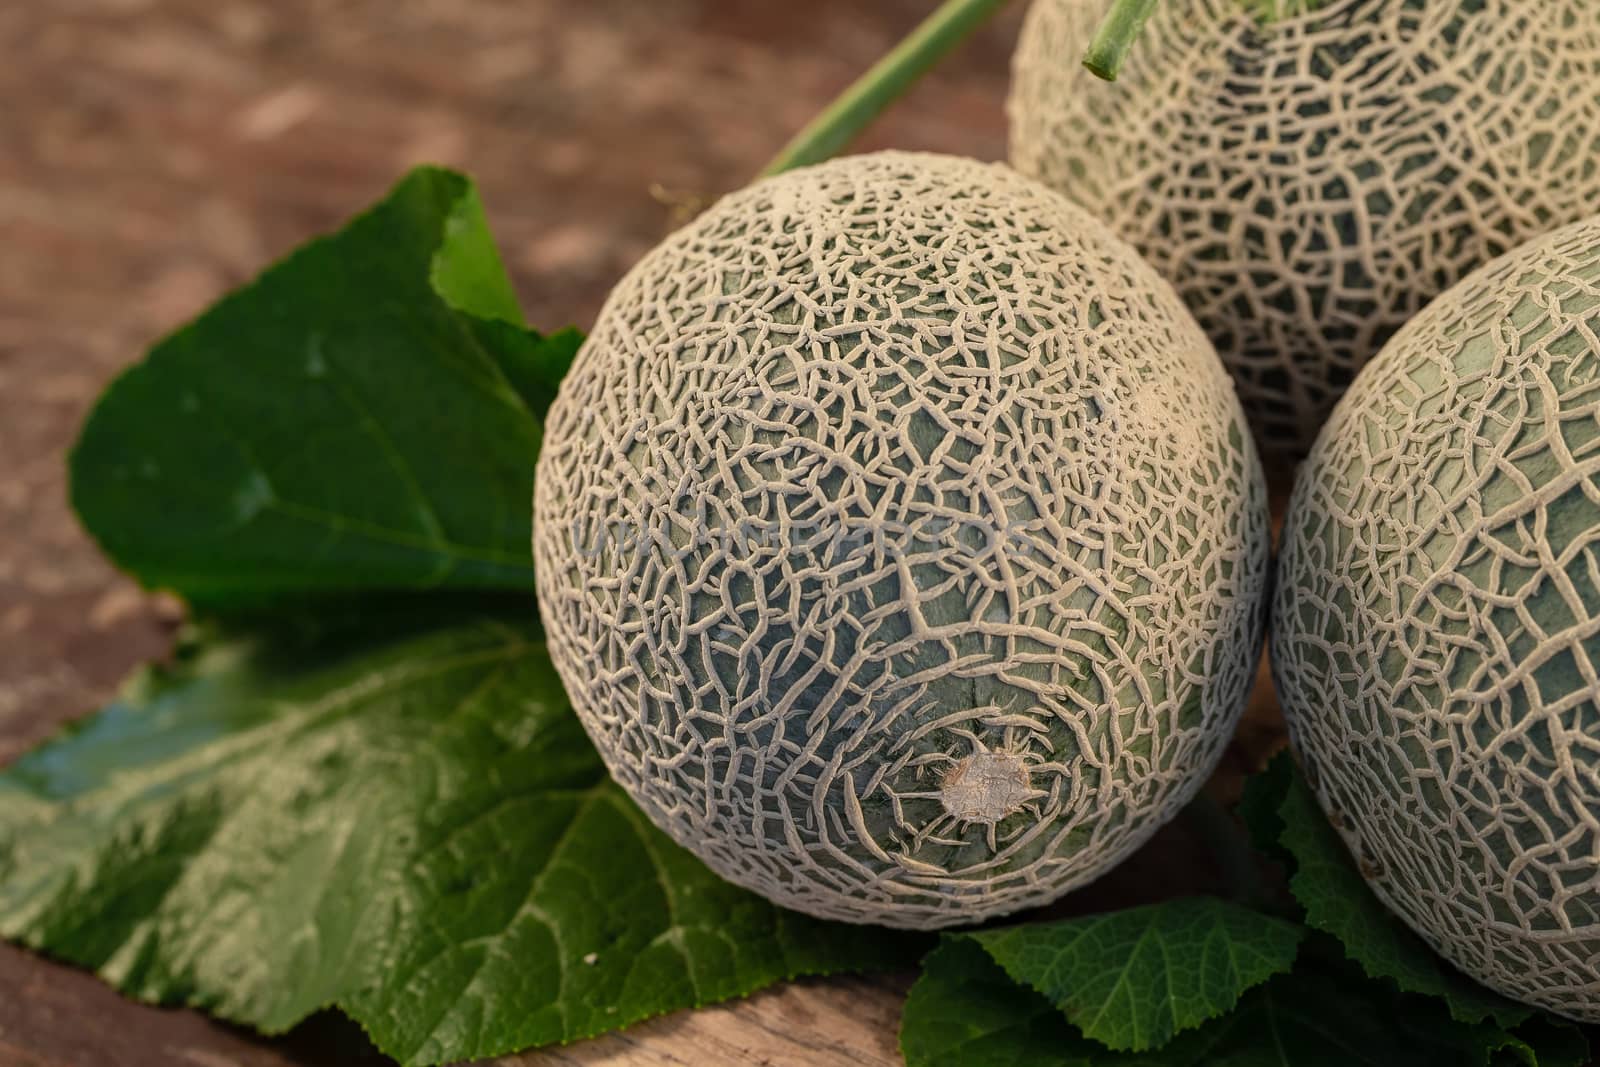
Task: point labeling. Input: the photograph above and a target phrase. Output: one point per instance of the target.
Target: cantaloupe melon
(1436, 627)
(1309, 179)
(900, 541)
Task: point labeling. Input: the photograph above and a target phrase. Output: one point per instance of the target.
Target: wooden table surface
(155, 153)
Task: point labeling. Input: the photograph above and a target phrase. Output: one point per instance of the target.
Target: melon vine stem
(1120, 28)
(880, 86)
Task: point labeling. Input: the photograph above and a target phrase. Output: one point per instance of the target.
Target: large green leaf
(1259, 807)
(1338, 901)
(533, 364)
(354, 419)
(1546, 1041)
(965, 1012)
(1131, 979)
(403, 819)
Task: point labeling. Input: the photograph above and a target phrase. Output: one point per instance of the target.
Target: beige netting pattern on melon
(900, 541)
(1309, 183)
(1436, 635)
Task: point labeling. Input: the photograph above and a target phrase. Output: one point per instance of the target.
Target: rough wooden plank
(839, 1022)
(54, 1016)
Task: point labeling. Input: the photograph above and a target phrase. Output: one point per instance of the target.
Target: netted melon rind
(1309, 182)
(1436, 626)
(900, 541)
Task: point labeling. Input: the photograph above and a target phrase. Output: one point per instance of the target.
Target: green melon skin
(1309, 180)
(1436, 625)
(900, 542)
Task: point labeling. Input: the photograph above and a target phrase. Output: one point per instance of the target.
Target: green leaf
(466, 270)
(1132, 979)
(400, 818)
(1338, 901)
(964, 1012)
(347, 422)
(1546, 1041)
(533, 364)
(1260, 806)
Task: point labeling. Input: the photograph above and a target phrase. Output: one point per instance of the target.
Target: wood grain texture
(154, 153)
(838, 1022)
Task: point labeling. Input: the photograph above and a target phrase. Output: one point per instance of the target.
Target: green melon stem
(1125, 22)
(1112, 41)
(884, 83)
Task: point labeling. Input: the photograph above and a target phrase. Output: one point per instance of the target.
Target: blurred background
(156, 153)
